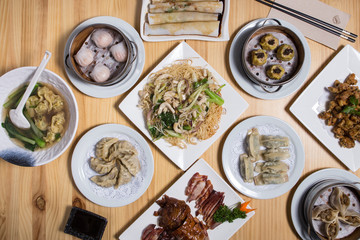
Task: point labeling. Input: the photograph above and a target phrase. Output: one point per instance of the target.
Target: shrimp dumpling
(119, 52)
(84, 57)
(102, 38)
(100, 73)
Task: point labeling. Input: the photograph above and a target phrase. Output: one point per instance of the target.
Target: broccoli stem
(10, 128)
(34, 128)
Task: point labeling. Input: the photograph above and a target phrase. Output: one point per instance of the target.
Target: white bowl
(15, 154)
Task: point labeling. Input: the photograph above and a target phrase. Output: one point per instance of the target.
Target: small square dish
(177, 190)
(234, 106)
(223, 30)
(315, 97)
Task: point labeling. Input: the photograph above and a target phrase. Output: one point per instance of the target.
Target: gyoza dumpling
(332, 229)
(276, 156)
(253, 142)
(106, 180)
(101, 166)
(121, 149)
(271, 178)
(274, 141)
(246, 168)
(103, 146)
(271, 167)
(324, 213)
(339, 200)
(124, 175)
(132, 164)
(351, 218)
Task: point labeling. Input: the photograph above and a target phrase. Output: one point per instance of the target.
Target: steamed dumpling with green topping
(269, 42)
(258, 57)
(275, 71)
(285, 52)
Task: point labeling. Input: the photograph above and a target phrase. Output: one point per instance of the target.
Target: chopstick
(307, 20)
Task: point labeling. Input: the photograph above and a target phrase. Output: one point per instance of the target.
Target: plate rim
(300, 156)
(248, 86)
(135, 71)
(91, 195)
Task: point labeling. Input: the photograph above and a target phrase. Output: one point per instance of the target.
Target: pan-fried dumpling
(275, 156)
(274, 141)
(132, 164)
(253, 142)
(103, 146)
(124, 175)
(271, 178)
(351, 218)
(324, 213)
(339, 200)
(122, 149)
(332, 229)
(271, 167)
(246, 168)
(106, 180)
(101, 166)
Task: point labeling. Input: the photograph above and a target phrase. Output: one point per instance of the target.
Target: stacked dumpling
(117, 160)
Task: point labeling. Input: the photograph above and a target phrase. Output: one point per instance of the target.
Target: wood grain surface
(35, 202)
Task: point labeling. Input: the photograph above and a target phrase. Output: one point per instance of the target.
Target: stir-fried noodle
(182, 103)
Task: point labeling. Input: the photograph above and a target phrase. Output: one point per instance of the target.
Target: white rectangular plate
(234, 104)
(177, 190)
(224, 29)
(314, 98)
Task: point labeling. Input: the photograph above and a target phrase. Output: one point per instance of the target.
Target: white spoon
(16, 115)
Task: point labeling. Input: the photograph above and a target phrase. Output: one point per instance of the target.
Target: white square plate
(234, 104)
(177, 190)
(224, 29)
(314, 98)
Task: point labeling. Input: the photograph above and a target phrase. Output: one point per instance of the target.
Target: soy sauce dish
(332, 210)
(101, 54)
(51, 110)
(272, 56)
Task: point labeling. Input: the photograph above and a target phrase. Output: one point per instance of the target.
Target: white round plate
(81, 171)
(17, 155)
(242, 79)
(297, 200)
(128, 81)
(235, 145)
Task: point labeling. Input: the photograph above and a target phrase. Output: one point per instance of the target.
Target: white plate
(21, 156)
(224, 29)
(235, 145)
(177, 190)
(128, 81)
(300, 193)
(313, 99)
(242, 79)
(234, 104)
(81, 171)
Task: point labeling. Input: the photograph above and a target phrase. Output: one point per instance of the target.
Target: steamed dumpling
(103, 146)
(324, 213)
(106, 180)
(119, 51)
(102, 38)
(101, 166)
(84, 57)
(100, 73)
(339, 200)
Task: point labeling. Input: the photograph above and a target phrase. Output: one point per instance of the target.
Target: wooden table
(35, 202)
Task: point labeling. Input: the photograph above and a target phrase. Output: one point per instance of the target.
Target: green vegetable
(34, 128)
(57, 136)
(224, 213)
(214, 97)
(187, 127)
(15, 98)
(13, 132)
(173, 133)
(168, 119)
(32, 93)
(200, 83)
(219, 89)
(155, 133)
(353, 100)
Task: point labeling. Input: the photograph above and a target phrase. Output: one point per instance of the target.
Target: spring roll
(210, 29)
(164, 1)
(159, 18)
(209, 7)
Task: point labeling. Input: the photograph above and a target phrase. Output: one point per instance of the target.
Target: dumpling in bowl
(339, 200)
(102, 38)
(84, 57)
(285, 52)
(258, 57)
(275, 71)
(269, 42)
(119, 52)
(100, 73)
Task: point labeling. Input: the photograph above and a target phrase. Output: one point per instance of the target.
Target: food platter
(235, 145)
(297, 201)
(177, 190)
(234, 104)
(313, 99)
(132, 76)
(224, 29)
(242, 79)
(21, 156)
(81, 171)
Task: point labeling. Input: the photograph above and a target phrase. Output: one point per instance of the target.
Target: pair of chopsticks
(311, 20)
